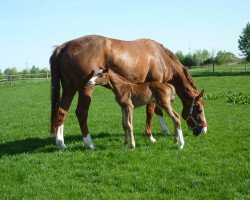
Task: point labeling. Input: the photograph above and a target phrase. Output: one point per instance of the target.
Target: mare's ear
(201, 94)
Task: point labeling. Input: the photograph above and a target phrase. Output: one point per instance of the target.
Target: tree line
(204, 58)
(13, 71)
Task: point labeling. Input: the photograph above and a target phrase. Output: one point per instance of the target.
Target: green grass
(212, 166)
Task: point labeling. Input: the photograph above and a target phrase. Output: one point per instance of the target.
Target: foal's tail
(55, 86)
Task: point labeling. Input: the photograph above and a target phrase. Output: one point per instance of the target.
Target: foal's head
(194, 114)
(101, 78)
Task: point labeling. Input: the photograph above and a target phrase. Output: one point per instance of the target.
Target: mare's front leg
(159, 114)
(82, 110)
(128, 125)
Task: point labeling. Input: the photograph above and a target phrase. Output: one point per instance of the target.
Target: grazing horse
(139, 61)
(130, 95)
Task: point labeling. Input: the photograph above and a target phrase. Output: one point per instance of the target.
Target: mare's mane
(185, 70)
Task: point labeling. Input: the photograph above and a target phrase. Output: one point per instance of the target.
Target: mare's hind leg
(150, 113)
(159, 114)
(177, 122)
(65, 102)
(82, 110)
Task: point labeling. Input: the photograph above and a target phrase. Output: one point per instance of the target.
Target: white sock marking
(88, 142)
(164, 128)
(180, 138)
(151, 138)
(60, 138)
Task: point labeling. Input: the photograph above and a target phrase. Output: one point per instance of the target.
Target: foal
(129, 96)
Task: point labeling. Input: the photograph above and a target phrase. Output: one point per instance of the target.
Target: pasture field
(211, 166)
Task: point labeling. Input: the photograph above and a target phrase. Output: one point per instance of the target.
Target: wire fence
(11, 79)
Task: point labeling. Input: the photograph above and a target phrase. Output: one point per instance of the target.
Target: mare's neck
(183, 88)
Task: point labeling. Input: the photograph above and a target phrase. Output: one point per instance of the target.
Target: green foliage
(11, 71)
(224, 57)
(188, 61)
(34, 70)
(237, 98)
(180, 56)
(211, 166)
(200, 56)
(1, 74)
(244, 42)
(204, 57)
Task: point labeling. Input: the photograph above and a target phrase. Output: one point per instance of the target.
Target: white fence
(9, 79)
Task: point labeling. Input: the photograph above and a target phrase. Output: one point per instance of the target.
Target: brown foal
(129, 96)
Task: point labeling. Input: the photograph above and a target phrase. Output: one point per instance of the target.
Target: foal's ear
(106, 69)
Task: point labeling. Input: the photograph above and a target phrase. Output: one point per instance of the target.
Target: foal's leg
(150, 113)
(128, 123)
(82, 109)
(124, 125)
(159, 114)
(177, 122)
(65, 102)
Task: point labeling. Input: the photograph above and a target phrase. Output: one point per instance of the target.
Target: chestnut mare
(130, 95)
(139, 61)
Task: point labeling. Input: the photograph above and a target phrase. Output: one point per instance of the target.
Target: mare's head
(194, 114)
(101, 78)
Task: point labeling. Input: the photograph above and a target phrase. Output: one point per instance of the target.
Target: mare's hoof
(151, 138)
(90, 146)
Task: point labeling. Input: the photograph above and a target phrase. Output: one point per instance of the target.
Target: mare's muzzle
(199, 129)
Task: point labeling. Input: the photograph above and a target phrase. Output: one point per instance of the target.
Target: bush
(237, 98)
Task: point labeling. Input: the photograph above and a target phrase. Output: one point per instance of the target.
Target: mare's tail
(55, 86)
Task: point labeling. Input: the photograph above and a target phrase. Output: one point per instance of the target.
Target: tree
(11, 71)
(224, 57)
(188, 60)
(180, 56)
(244, 42)
(34, 70)
(200, 56)
(1, 74)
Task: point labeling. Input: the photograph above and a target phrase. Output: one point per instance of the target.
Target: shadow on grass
(46, 145)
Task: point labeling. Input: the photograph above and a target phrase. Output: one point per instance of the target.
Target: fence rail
(9, 79)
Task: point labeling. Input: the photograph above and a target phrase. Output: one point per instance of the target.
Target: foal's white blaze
(60, 138)
(180, 138)
(164, 128)
(91, 81)
(88, 142)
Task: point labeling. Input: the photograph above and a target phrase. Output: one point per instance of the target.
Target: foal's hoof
(151, 138)
(61, 145)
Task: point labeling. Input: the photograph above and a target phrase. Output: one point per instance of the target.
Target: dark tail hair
(55, 86)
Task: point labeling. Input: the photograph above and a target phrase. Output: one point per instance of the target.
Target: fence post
(47, 74)
(10, 80)
(245, 68)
